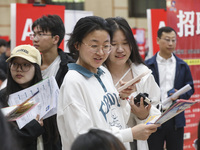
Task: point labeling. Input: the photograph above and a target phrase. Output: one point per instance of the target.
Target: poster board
(71, 17)
(23, 16)
(156, 18)
(184, 17)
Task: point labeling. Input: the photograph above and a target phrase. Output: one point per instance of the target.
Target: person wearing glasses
(125, 63)
(88, 98)
(48, 33)
(171, 73)
(23, 72)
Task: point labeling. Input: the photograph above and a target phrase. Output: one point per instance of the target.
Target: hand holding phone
(146, 100)
(170, 92)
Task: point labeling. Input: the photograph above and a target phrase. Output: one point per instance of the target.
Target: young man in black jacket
(48, 33)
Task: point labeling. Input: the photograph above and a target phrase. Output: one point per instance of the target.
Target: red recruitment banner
(184, 17)
(139, 34)
(156, 18)
(26, 14)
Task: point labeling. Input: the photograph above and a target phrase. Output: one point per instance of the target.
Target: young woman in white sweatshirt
(88, 98)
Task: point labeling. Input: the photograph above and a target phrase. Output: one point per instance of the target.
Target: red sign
(156, 18)
(184, 17)
(139, 34)
(5, 38)
(26, 14)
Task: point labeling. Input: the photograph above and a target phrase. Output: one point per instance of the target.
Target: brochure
(15, 112)
(132, 81)
(175, 109)
(45, 100)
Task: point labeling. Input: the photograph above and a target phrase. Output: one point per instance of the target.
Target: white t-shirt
(146, 85)
(52, 69)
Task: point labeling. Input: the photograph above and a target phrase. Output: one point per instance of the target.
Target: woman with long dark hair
(125, 63)
(24, 71)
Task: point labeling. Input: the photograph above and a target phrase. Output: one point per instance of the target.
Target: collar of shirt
(160, 59)
(85, 72)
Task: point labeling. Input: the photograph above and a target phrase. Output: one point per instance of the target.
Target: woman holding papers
(24, 71)
(88, 99)
(125, 63)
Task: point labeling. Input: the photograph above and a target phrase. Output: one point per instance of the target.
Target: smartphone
(146, 100)
(170, 92)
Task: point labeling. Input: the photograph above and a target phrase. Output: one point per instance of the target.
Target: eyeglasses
(95, 48)
(169, 40)
(38, 35)
(24, 67)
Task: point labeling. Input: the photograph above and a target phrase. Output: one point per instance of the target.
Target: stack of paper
(46, 99)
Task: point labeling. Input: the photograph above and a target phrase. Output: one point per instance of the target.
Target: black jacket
(27, 136)
(65, 59)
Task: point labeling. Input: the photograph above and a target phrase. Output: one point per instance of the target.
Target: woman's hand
(143, 131)
(141, 111)
(128, 91)
(40, 121)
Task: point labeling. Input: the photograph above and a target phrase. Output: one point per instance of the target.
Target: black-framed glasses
(38, 35)
(24, 67)
(94, 48)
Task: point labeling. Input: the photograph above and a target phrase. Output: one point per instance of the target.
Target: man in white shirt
(171, 73)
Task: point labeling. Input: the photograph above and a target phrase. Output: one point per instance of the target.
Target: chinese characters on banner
(184, 17)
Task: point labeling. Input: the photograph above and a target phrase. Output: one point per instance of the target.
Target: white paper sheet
(47, 99)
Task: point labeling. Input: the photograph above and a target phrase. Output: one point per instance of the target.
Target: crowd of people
(91, 113)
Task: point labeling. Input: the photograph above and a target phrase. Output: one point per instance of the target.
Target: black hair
(2, 75)
(7, 140)
(83, 27)
(98, 140)
(3, 42)
(119, 23)
(8, 44)
(51, 23)
(164, 29)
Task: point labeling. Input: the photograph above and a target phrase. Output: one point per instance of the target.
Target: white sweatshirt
(146, 85)
(89, 100)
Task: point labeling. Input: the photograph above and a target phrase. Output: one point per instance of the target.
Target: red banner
(156, 18)
(184, 17)
(25, 15)
(5, 38)
(139, 34)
